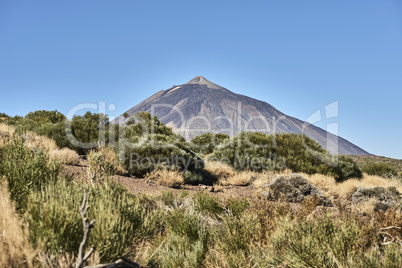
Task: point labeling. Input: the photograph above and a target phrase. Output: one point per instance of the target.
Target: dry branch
(121, 263)
(87, 228)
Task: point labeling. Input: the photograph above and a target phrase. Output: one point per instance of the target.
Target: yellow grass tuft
(219, 170)
(65, 156)
(6, 132)
(15, 249)
(344, 189)
(34, 141)
(167, 177)
(6, 128)
(269, 176)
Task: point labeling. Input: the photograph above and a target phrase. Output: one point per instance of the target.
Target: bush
(158, 151)
(193, 177)
(379, 169)
(205, 143)
(167, 177)
(319, 244)
(143, 124)
(101, 162)
(53, 217)
(258, 152)
(186, 240)
(90, 129)
(207, 204)
(25, 170)
(237, 206)
(44, 123)
(65, 156)
(149, 145)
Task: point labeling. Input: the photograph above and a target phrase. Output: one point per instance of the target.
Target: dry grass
(15, 249)
(344, 189)
(219, 170)
(226, 175)
(269, 176)
(6, 132)
(33, 141)
(329, 186)
(166, 177)
(65, 156)
(111, 157)
(6, 128)
(242, 178)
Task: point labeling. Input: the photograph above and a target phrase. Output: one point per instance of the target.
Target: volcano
(201, 106)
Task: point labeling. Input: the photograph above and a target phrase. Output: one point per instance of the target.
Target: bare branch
(391, 227)
(87, 226)
(121, 263)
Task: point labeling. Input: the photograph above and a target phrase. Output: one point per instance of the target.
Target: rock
(293, 189)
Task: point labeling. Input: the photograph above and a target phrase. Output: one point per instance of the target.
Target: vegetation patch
(166, 177)
(386, 197)
(294, 189)
(258, 152)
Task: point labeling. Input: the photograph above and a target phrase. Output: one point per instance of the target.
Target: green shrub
(323, 243)
(144, 124)
(91, 129)
(25, 170)
(178, 251)
(102, 162)
(186, 240)
(207, 203)
(237, 206)
(158, 151)
(257, 151)
(44, 123)
(193, 177)
(53, 217)
(236, 240)
(379, 169)
(148, 145)
(205, 143)
(4, 117)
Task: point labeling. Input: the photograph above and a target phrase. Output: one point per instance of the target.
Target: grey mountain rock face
(200, 106)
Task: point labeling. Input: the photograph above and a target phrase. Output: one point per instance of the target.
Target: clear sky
(296, 55)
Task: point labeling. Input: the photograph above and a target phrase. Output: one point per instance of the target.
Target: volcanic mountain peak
(200, 80)
(200, 106)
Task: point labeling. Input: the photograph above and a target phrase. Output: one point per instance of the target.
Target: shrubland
(260, 152)
(150, 145)
(380, 169)
(41, 225)
(205, 143)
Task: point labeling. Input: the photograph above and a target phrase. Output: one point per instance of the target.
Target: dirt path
(142, 186)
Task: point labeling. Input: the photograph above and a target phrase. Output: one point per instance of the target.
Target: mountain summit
(200, 80)
(200, 106)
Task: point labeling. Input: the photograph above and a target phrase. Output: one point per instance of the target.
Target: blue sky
(296, 55)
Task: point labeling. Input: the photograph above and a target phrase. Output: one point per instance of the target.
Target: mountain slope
(199, 106)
